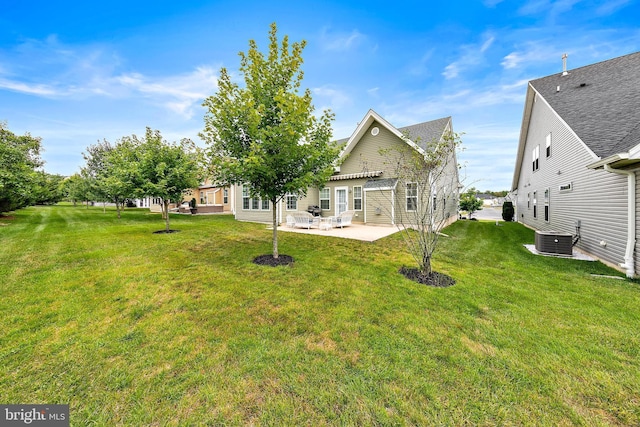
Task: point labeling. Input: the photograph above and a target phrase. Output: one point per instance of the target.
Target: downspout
(393, 206)
(631, 218)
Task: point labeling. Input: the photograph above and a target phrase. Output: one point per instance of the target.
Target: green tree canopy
(166, 170)
(19, 161)
(265, 135)
(469, 202)
(111, 171)
(75, 188)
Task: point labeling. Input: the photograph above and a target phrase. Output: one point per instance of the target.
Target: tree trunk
(275, 228)
(118, 208)
(425, 267)
(165, 207)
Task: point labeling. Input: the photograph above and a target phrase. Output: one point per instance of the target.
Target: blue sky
(76, 72)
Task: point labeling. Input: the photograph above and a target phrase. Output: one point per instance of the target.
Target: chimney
(564, 64)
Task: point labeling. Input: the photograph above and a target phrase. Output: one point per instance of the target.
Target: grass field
(135, 328)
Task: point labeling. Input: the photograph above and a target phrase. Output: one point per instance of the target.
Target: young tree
(469, 202)
(427, 195)
(19, 160)
(167, 169)
(111, 171)
(265, 134)
(75, 188)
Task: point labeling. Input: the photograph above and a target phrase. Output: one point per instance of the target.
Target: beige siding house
(364, 182)
(578, 157)
(212, 198)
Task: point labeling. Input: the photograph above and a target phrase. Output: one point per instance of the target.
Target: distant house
(364, 182)
(578, 157)
(212, 198)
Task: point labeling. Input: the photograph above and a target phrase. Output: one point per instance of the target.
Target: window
(535, 204)
(265, 205)
(255, 203)
(548, 145)
(225, 196)
(412, 196)
(536, 158)
(292, 202)
(202, 197)
(357, 198)
(566, 187)
(325, 201)
(245, 198)
(528, 200)
(435, 202)
(546, 205)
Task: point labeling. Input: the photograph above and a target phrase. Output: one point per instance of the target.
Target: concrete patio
(367, 233)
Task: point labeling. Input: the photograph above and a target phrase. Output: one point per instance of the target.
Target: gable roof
(599, 102)
(419, 134)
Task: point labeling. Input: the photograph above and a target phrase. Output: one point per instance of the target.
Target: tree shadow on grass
(166, 231)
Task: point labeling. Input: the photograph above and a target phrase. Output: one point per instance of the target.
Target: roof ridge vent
(564, 64)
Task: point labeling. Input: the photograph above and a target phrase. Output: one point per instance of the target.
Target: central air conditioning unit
(554, 242)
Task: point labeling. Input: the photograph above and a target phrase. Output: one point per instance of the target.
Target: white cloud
(30, 89)
(179, 93)
(341, 41)
(334, 98)
(49, 69)
(611, 6)
(472, 55)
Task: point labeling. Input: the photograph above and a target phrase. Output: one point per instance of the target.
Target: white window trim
(346, 198)
(406, 194)
(358, 198)
(535, 161)
(547, 204)
(245, 196)
(328, 198)
(547, 150)
(286, 202)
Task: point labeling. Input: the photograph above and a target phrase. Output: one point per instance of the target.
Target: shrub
(507, 211)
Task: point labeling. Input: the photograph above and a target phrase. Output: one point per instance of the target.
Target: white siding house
(578, 157)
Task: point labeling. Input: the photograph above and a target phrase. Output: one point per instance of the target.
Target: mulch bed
(435, 279)
(166, 232)
(270, 261)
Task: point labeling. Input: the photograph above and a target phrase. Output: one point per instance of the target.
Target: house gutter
(631, 218)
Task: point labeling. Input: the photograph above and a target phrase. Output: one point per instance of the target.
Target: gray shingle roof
(600, 102)
(425, 132)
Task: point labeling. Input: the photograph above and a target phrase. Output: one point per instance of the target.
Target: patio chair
(291, 222)
(305, 220)
(343, 220)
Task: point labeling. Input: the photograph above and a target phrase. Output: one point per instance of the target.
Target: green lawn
(135, 328)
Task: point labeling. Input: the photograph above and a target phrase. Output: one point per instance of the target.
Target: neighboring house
(364, 183)
(487, 199)
(212, 198)
(578, 158)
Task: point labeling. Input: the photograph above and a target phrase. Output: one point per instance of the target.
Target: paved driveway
(492, 213)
